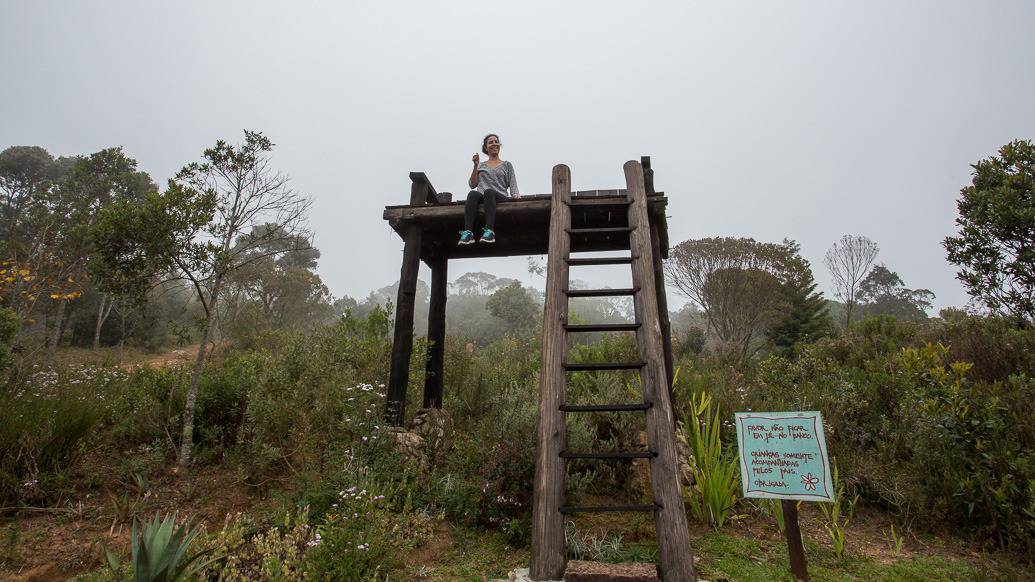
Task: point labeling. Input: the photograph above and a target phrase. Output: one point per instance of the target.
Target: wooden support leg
(662, 296)
(402, 341)
(402, 344)
(674, 553)
(436, 334)
(548, 494)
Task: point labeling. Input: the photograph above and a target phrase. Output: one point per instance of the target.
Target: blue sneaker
(488, 236)
(466, 237)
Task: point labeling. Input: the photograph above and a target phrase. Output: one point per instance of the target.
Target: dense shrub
(46, 425)
(8, 329)
(995, 345)
(909, 426)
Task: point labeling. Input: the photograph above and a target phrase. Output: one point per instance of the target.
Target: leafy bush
(9, 324)
(369, 522)
(46, 424)
(995, 346)
(486, 476)
(256, 552)
(913, 432)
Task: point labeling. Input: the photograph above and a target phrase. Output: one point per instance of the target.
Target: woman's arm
(512, 181)
(473, 180)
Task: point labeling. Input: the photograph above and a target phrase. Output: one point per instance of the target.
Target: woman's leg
(490, 198)
(471, 208)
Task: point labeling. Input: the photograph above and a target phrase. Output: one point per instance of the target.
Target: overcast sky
(806, 120)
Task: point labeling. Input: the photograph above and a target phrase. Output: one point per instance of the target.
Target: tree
(479, 283)
(278, 286)
(248, 193)
(738, 283)
(50, 206)
(849, 261)
(31, 228)
(882, 292)
(24, 173)
(514, 306)
(93, 183)
(803, 316)
(995, 246)
(141, 244)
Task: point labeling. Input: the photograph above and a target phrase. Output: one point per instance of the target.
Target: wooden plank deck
(522, 224)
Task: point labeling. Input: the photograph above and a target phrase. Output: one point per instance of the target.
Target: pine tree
(804, 316)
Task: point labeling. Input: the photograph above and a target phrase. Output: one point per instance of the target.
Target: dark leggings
(471, 208)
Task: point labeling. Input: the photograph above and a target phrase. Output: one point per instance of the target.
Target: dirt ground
(62, 542)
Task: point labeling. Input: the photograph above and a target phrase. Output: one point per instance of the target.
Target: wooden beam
(547, 561)
(436, 334)
(674, 553)
(648, 175)
(429, 193)
(662, 297)
(402, 340)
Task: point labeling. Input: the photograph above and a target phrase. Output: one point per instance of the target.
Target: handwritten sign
(783, 455)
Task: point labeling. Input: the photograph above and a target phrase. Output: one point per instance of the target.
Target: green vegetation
(161, 552)
(716, 467)
(928, 418)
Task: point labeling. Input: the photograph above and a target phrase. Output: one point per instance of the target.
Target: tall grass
(714, 491)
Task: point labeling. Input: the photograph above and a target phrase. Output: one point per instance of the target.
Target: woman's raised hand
(475, 159)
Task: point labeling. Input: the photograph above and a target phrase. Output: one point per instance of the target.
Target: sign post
(783, 455)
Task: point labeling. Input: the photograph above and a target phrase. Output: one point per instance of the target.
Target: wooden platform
(430, 226)
(523, 224)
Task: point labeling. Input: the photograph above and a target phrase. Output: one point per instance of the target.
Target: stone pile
(684, 460)
(428, 436)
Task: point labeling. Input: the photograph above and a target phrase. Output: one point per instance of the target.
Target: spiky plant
(159, 551)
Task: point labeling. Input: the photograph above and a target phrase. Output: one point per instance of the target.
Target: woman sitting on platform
(490, 179)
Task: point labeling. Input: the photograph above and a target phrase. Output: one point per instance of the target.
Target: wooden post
(548, 494)
(659, 277)
(795, 548)
(402, 341)
(648, 174)
(674, 553)
(436, 333)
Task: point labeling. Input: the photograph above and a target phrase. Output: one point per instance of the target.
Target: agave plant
(159, 551)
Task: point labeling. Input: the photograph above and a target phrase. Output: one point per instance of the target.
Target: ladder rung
(616, 455)
(623, 201)
(601, 261)
(600, 292)
(576, 367)
(602, 327)
(609, 230)
(605, 407)
(607, 508)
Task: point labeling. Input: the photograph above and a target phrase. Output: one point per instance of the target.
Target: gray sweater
(499, 179)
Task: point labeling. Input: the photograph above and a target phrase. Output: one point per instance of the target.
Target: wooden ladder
(549, 508)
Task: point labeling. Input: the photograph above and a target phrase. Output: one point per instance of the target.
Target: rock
(411, 446)
(579, 571)
(434, 425)
(640, 480)
(520, 575)
(429, 435)
(684, 456)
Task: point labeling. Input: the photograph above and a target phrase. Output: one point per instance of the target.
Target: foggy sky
(805, 120)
